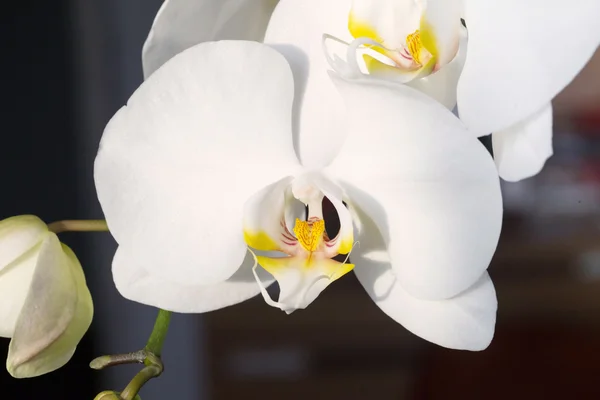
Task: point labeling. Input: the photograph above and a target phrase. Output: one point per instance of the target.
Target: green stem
(153, 350)
(159, 333)
(91, 225)
(149, 356)
(147, 373)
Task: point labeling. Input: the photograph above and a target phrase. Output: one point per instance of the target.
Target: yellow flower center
(413, 41)
(309, 234)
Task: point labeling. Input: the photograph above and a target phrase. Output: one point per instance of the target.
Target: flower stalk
(149, 356)
(140, 379)
(159, 333)
(91, 225)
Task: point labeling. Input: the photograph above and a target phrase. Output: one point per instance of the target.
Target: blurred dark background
(38, 166)
(67, 66)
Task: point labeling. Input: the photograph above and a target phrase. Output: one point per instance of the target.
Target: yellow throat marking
(414, 44)
(309, 235)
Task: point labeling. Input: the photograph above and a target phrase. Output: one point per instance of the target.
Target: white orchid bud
(45, 305)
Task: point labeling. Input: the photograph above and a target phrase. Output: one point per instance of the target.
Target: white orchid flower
(513, 62)
(45, 305)
(511, 67)
(200, 166)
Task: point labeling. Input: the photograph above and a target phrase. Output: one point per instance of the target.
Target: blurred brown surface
(530, 362)
(583, 94)
(342, 346)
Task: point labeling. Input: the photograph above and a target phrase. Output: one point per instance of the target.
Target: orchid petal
(442, 84)
(14, 286)
(343, 242)
(386, 21)
(440, 29)
(181, 24)
(264, 217)
(430, 186)
(18, 235)
(134, 283)
(296, 31)
(464, 322)
(196, 140)
(56, 314)
(522, 150)
(522, 54)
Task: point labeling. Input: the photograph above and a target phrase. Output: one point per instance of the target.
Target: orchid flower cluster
(297, 141)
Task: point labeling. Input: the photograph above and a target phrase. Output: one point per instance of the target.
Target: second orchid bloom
(501, 69)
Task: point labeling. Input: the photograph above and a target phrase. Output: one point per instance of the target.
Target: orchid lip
(306, 265)
(351, 68)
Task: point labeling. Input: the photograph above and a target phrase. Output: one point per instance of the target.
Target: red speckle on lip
(288, 237)
(405, 54)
